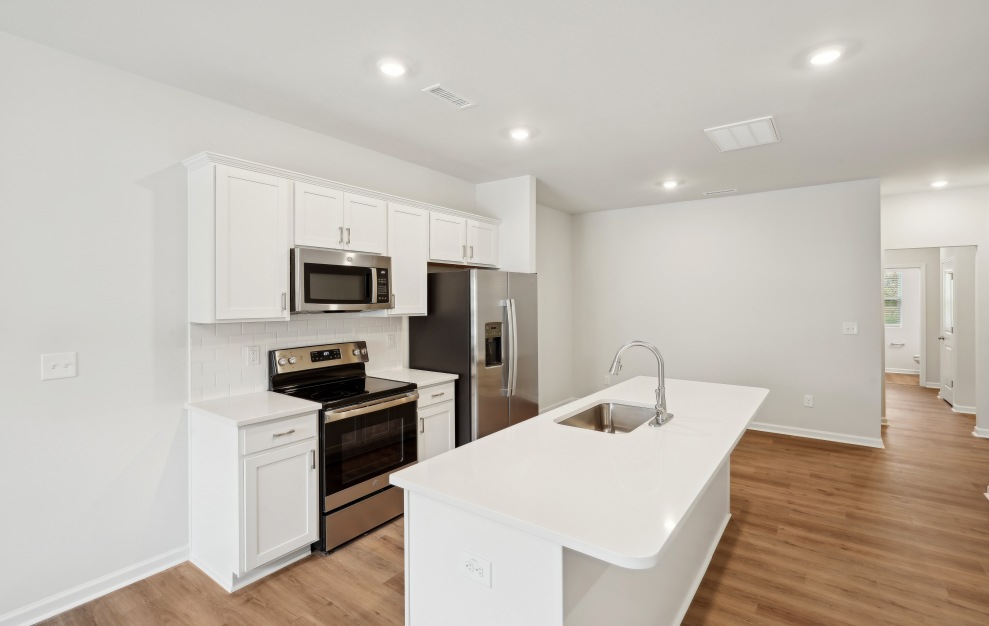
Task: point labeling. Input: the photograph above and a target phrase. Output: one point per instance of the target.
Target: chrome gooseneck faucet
(662, 415)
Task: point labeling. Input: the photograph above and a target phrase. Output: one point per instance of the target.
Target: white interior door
(947, 336)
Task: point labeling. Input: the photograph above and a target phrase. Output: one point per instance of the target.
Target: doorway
(929, 318)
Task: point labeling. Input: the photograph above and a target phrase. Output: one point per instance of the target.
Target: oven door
(335, 280)
(363, 444)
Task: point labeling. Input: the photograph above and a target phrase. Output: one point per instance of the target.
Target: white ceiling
(618, 91)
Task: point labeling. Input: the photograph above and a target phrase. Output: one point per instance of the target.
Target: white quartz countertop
(421, 378)
(615, 497)
(251, 408)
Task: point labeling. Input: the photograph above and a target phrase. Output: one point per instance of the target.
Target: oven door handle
(369, 407)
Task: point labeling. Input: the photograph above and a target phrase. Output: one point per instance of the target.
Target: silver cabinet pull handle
(341, 234)
(422, 424)
(284, 301)
(464, 251)
(348, 235)
(313, 453)
(472, 252)
(287, 432)
(437, 395)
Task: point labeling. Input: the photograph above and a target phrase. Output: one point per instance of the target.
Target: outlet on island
(475, 568)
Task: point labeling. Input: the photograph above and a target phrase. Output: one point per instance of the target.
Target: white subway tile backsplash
(219, 368)
(209, 341)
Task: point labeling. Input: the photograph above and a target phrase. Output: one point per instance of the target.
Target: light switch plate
(58, 365)
(850, 328)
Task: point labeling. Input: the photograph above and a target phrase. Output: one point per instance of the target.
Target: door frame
(923, 318)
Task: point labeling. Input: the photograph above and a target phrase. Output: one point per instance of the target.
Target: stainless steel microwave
(336, 280)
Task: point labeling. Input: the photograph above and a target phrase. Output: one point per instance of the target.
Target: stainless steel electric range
(368, 431)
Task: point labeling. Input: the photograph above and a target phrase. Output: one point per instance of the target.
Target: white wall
(903, 341)
(93, 259)
(555, 258)
(513, 201)
(946, 218)
(964, 380)
(748, 290)
(929, 259)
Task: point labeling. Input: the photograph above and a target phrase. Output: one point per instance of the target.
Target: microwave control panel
(384, 293)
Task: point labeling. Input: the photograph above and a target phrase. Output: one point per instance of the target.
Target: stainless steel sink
(611, 417)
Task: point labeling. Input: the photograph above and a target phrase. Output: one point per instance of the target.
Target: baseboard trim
(981, 432)
(884, 421)
(808, 433)
(896, 370)
(61, 602)
(556, 405)
(967, 410)
(930, 385)
(231, 583)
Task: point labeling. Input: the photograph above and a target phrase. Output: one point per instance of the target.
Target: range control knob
(292, 360)
(357, 352)
(282, 361)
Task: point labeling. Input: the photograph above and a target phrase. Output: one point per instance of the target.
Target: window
(892, 297)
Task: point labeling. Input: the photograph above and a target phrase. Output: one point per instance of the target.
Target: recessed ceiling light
(939, 183)
(827, 56)
(670, 184)
(520, 134)
(391, 67)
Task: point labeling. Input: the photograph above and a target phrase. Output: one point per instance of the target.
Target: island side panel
(595, 592)
(525, 572)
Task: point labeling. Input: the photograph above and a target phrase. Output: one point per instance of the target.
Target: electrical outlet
(475, 568)
(607, 380)
(59, 365)
(254, 355)
(850, 328)
(391, 341)
(809, 401)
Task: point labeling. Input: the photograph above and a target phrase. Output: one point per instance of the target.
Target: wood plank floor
(902, 379)
(821, 533)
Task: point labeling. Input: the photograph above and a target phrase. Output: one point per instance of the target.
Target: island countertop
(615, 497)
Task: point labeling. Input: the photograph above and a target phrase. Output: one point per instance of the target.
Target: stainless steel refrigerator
(481, 325)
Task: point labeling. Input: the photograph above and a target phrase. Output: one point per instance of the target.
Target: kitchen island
(544, 523)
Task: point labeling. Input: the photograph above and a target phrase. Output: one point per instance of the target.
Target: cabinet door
(251, 245)
(318, 216)
(365, 224)
(482, 243)
(281, 502)
(447, 238)
(435, 430)
(408, 247)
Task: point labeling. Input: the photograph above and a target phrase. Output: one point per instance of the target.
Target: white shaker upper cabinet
(447, 238)
(238, 245)
(408, 247)
(318, 216)
(330, 218)
(482, 243)
(365, 224)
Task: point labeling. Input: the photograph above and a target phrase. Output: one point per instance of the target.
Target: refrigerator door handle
(508, 348)
(514, 355)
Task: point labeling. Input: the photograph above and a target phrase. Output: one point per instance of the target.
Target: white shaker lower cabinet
(408, 247)
(436, 420)
(253, 495)
(238, 243)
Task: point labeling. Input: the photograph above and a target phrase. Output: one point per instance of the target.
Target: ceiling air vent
(744, 134)
(446, 95)
(719, 192)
